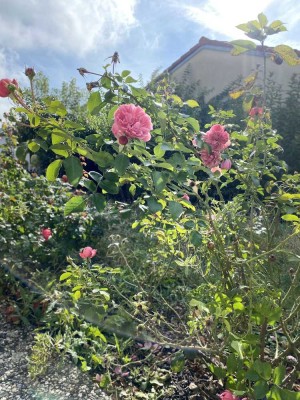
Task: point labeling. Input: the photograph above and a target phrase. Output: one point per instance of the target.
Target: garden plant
(155, 249)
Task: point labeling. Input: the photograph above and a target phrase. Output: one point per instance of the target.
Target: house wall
(216, 68)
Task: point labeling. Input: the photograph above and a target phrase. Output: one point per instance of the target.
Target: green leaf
(288, 54)
(176, 209)
(264, 369)
(65, 276)
(34, 120)
(194, 124)
(99, 201)
(53, 170)
(160, 180)
(238, 347)
(103, 159)
(279, 374)
(76, 295)
(275, 27)
(158, 151)
(243, 27)
(21, 152)
(153, 205)
(109, 186)
(125, 73)
(240, 46)
(260, 388)
(90, 185)
(33, 146)
(121, 163)
(288, 196)
(195, 238)
(75, 204)
(192, 103)
(73, 169)
(263, 20)
(129, 79)
(94, 103)
(96, 176)
(290, 217)
(277, 393)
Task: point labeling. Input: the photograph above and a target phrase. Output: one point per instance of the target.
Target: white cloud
(78, 26)
(221, 16)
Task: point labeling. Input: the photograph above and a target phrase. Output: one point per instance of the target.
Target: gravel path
(62, 382)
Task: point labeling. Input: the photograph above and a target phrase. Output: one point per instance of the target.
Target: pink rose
(217, 138)
(211, 159)
(7, 86)
(256, 111)
(131, 122)
(87, 252)
(46, 233)
(227, 395)
(226, 164)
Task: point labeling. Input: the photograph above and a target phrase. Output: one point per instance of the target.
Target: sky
(58, 36)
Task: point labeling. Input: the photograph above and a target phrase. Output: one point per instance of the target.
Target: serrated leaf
(90, 185)
(53, 170)
(75, 204)
(243, 27)
(240, 46)
(194, 124)
(96, 176)
(288, 54)
(109, 186)
(153, 205)
(160, 180)
(158, 151)
(73, 169)
(275, 27)
(103, 159)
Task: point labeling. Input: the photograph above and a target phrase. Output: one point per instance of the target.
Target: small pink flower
(186, 197)
(226, 164)
(131, 122)
(217, 138)
(7, 86)
(211, 159)
(46, 233)
(227, 395)
(256, 111)
(87, 252)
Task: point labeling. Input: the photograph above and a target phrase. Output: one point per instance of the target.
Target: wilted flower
(87, 252)
(226, 164)
(227, 395)
(46, 233)
(7, 86)
(217, 138)
(29, 71)
(131, 122)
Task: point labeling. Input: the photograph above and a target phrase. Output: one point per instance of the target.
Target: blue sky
(58, 36)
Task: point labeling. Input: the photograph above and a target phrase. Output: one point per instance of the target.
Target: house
(210, 62)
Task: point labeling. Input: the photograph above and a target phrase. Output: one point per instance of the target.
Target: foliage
(199, 275)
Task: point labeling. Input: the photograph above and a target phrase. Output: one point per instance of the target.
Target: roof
(205, 43)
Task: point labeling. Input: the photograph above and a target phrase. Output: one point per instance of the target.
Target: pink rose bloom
(212, 159)
(226, 164)
(186, 197)
(256, 111)
(131, 122)
(217, 138)
(46, 233)
(87, 252)
(5, 91)
(227, 395)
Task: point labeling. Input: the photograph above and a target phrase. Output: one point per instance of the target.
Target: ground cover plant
(184, 289)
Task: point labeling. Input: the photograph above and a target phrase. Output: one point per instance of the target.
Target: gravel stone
(64, 381)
